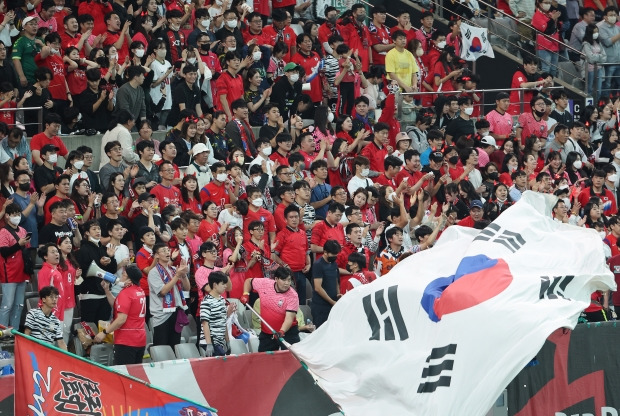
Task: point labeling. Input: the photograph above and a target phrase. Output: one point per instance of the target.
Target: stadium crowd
(294, 166)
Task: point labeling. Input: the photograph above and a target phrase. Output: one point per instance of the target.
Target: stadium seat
(186, 351)
(102, 353)
(238, 347)
(31, 303)
(253, 344)
(161, 353)
(307, 313)
(248, 317)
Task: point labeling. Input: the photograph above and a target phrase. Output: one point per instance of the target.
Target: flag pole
(273, 331)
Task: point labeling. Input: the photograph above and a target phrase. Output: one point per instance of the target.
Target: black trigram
(437, 365)
(511, 240)
(554, 287)
(382, 326)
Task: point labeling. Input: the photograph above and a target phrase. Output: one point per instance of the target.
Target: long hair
(185, 192)
(320, 120)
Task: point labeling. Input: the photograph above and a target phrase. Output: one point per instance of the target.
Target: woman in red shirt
(190, 194)
(210, 229)
(71, 273)
(444, 72)
(548, 39)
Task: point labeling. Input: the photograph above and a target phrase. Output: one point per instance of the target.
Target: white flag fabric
(475, 43)
(448, 328)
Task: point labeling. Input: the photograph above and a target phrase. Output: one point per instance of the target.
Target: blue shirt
(22, 149)
(319, 193)
(330, 276)
(30, 222)
(424, 157)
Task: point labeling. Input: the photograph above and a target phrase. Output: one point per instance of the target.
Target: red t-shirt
(310, 65)
(515, 107)
(263, 216)
(288, 37)
(41, 139)
(123, 51)
(612, 242)
(375, 155)
(66, 41)
(216, 193)
(57, 87)
(209, 231)
(8, 117)
(353, 39)
(231, 87)
(410, 33)
(76, 80)
(383, 180)
(256, 271)
(261, 39)
(609, 202)
(292, 246)
(468, 221)
(326, 30)
(379, 36)
(177, 171)
(166, 195)
(192, 205)
(276, 156)
(323, 232)
(132, 302)
(143, 260)
(275, 305)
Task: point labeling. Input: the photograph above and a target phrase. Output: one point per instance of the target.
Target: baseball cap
(199, 148)
(145, 196)
(436, 156)
(49, 148)
(402, 136)
(139, 180)
(291, 66)
(476, 203)
(489, 140)
(28, 20)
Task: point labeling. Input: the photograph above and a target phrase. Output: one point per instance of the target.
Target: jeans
(599, 73)
(12, 304)
(300, 286)
(612, 72)
(548, 61)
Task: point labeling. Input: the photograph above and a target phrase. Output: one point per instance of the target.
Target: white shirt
(159, 70)
(203, 176)
(123, 136)
(356, 182)
(226, 216)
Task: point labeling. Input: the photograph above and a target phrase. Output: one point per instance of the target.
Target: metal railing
(15, 109)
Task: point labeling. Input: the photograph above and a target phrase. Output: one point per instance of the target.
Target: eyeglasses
(343, 193)
(88, 157)
(214, 252)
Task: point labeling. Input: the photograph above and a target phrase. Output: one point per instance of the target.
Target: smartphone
(28, 235)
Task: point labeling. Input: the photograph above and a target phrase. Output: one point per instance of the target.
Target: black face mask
(102, 60)
(494, 176)
(349, 269)
(454, 160)
(205, 47)
(331, 259)
(24, 187)
(539, 114)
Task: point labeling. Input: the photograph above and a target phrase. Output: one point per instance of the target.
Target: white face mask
(441, 44)
(469, 110)
(221, 177)
(15, 220)
(330, 117)
(53, 158)
(612, 178)
(595, 35)
(161, 53)
(205, 23)
(419, 52)
(258, 202)
(219, 2)
(391, 196)
(79, 164)
(577, 164)
(231, 23)
(294, 78)
(365, 172)
(94, 240)
(175, 28)
(191, 61)
(256, 180)
(545, 7)
(267, 151)
(512, 168)
(54, 51)
(612, 20)
(257, 55)
(234, 48)
(617, 155)
(567, 203)
(139, 53)
(29, 6)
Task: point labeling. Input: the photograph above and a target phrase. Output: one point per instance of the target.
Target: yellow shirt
(403, 64)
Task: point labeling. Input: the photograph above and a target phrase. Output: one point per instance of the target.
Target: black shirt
(143, 221)
(44, 176)
(51, 233)
(103, 223)
(182, 94)
(97, 120)
(286, 96)
(460, 127)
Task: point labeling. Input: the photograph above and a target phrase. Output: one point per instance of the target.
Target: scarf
(244, 136)
(168, 302)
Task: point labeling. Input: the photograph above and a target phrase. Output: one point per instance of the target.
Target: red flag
(52, 382)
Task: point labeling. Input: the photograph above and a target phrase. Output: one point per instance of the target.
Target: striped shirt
(213, 311)
(42, 327)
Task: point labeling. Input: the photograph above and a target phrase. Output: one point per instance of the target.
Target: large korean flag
(448, 328)
(475, 43)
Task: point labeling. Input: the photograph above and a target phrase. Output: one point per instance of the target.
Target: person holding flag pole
(279, 304)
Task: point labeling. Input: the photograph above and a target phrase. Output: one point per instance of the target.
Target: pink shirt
(274, 305)
(531, 127)
(501, 124)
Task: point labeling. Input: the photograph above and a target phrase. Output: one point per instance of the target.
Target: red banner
(49, 381)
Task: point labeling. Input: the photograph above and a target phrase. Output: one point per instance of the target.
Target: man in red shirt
(145, 260)
(255, 250)
(310, 61)
(279, 32)
(72, 37)
(524, 77)
(98, 11)
(404, 24)
(51, 57)
(165, 192)
(120, 39)
(284, 143)
(287, 195)
(612, 238)
(255, 31)
(381, 40)
(391, 166)
(291, 249)
(256, 212)
(376, 151)
(356, 35)
(219, 190)
(329, 229)
(229, 85)
(278, 307)
(597, 189)
(353, 244)
(476, 212)
(128, 324)
(168, 152)
(329, 28)
(48, 136)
